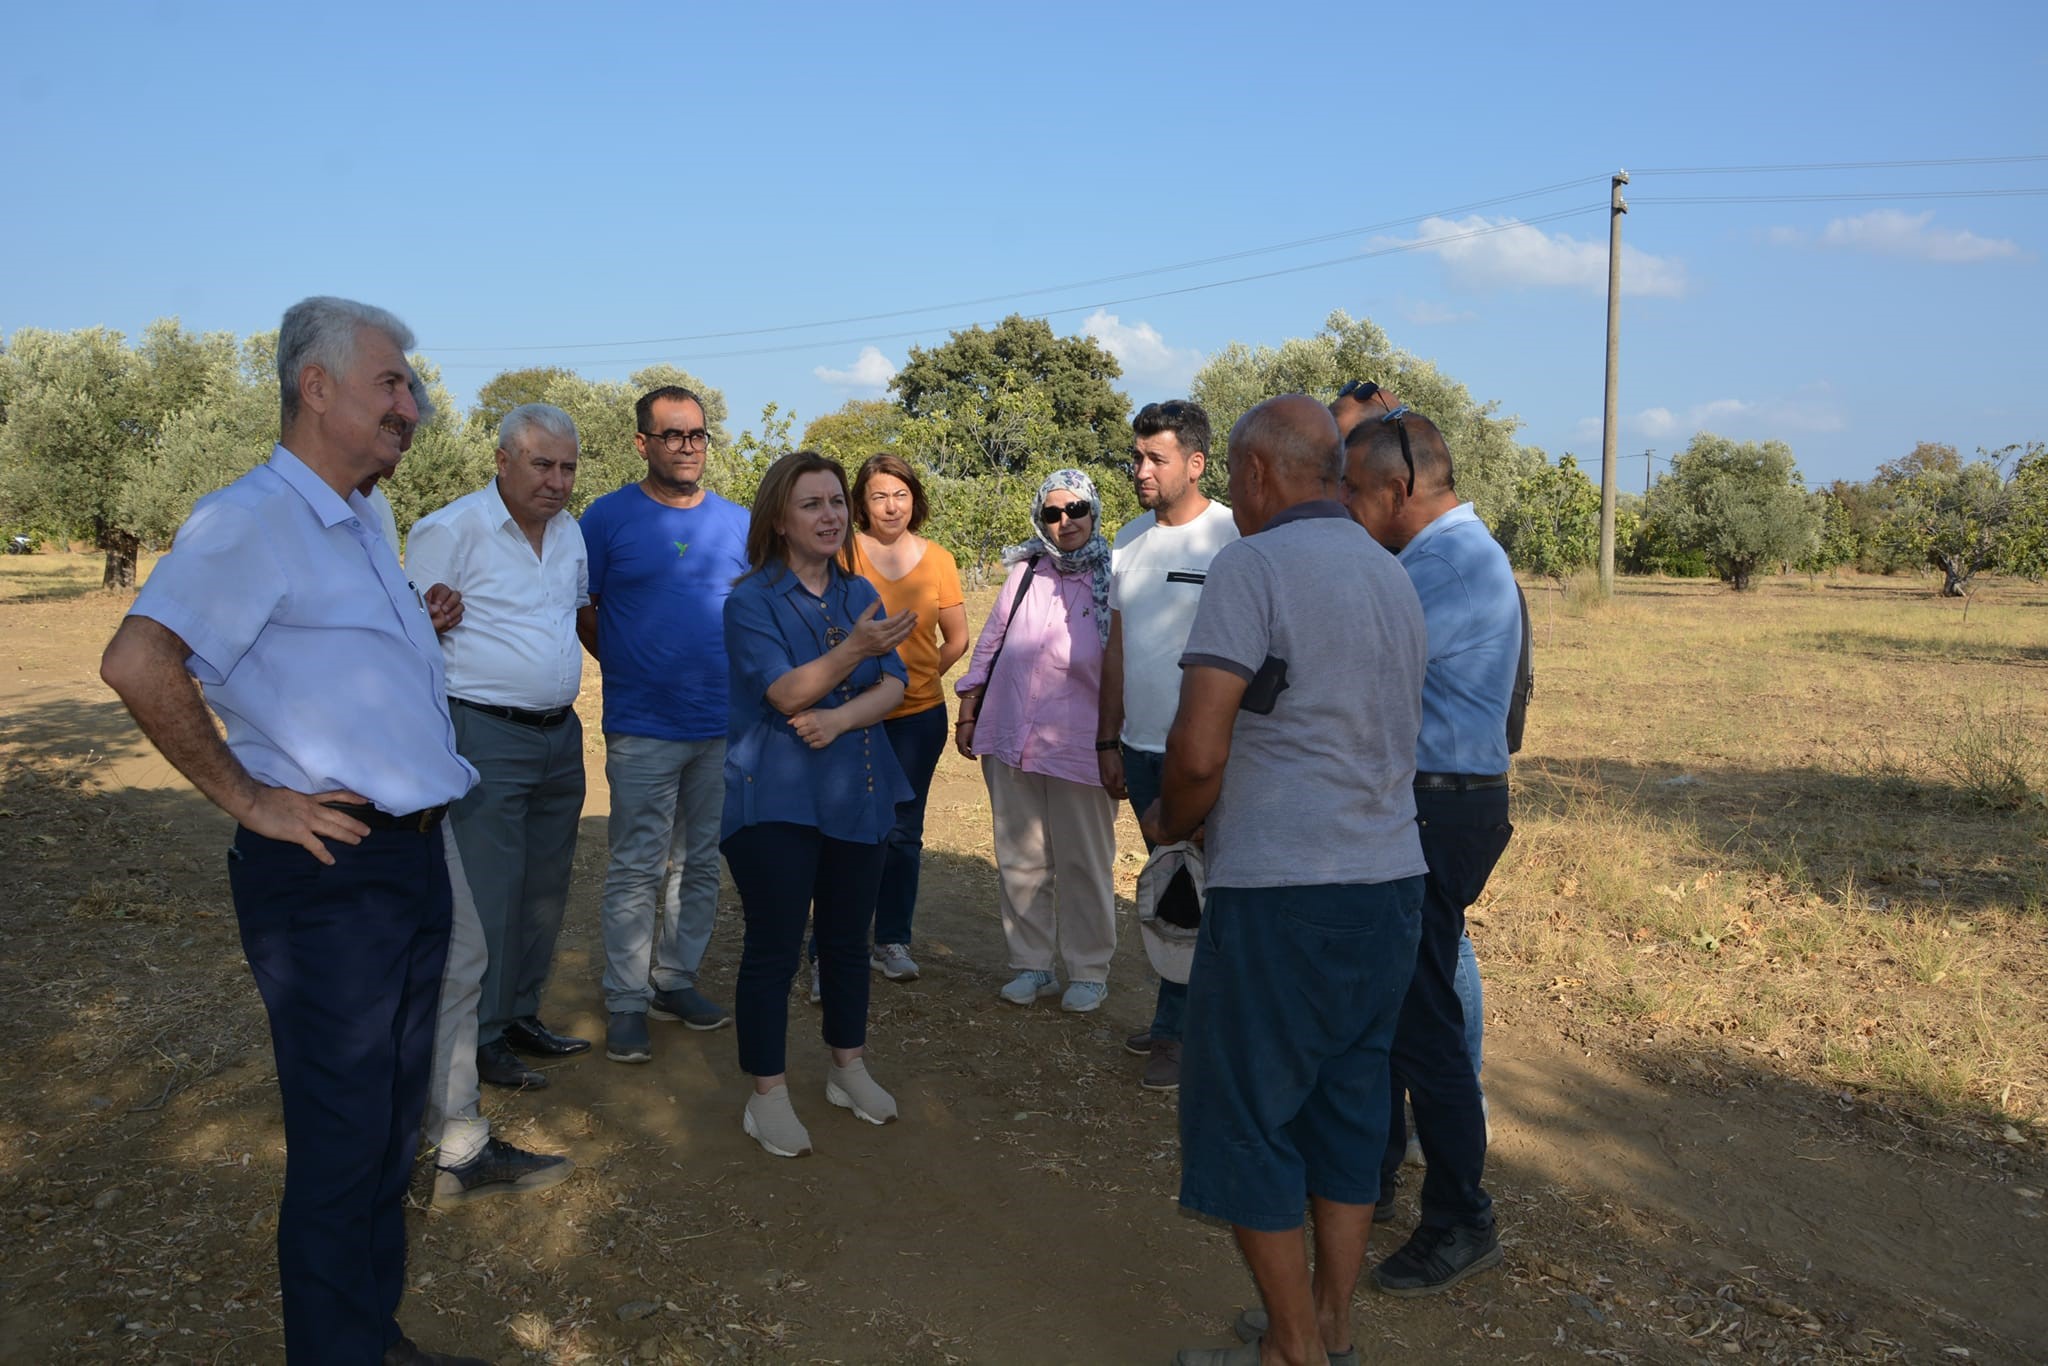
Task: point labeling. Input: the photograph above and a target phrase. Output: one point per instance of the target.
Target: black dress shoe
(406, 1352)
(529, 1035)
(497, 1064)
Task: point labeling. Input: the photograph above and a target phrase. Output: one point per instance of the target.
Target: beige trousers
(1055, 849)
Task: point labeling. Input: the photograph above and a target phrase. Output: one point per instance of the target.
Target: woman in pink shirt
(1028, 712)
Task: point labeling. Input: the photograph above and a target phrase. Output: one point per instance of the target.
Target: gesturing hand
(873, 638)
(279, 813)
(818, 728)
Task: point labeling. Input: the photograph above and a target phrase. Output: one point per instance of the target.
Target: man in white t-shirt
(1156, 574)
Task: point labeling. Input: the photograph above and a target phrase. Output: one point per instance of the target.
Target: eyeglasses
(1052, 516)
(1399, 418)
(1363, 390)
(674, 440)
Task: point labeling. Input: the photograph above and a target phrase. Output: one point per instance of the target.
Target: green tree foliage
(2025, 547)
(85, 415)
(966, 380)
(855, 431)
(1946, 514)
(1837, 542)
(227, 429)
(1552, 525)
(507, 390)
(1739, 506)
(735, 470)
(1488, 462)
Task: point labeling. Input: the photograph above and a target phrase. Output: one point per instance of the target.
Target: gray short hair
(528, 416)
(322, 331)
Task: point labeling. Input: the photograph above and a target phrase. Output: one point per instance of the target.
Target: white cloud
(870, 370)
(1810, 410)
(1892, 232)
(1487, 253)
(1427, 314)
(1143, 353)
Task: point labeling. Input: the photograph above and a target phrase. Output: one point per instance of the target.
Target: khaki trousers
(1055, 848)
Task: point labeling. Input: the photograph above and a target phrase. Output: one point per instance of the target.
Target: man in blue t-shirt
(663, 555)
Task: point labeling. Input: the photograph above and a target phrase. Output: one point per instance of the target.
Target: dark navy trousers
(348, 960)
(1463, 836)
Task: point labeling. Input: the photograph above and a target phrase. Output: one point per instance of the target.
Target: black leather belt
(421, 821)
(1459, 782)
(542, 719)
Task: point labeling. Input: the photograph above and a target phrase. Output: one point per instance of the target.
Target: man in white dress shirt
(515, 555)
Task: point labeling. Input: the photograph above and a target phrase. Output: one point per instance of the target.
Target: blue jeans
(348, 960)
(1471, 1000)
(1142, 773)
(667, 797)
(918, 739)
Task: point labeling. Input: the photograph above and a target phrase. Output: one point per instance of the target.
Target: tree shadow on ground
(1820, 829)
(1889, 647)
(66, 731)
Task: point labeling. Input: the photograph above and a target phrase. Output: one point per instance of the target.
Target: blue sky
(522, 183)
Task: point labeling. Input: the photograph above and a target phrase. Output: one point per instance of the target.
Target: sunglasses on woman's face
(1051, 515)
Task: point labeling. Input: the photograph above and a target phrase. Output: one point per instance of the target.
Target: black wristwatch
(1104, 746)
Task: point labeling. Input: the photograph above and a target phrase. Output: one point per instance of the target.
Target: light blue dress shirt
(847, 790)
(1474, 615)
(314, 651)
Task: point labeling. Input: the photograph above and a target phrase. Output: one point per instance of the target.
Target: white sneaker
(894, 962)
(817, 983)
(851, 1088)
(1028, 986)
(1083, 997)
(771, 1122)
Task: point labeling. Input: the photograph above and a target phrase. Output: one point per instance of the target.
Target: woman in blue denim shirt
(811, 784)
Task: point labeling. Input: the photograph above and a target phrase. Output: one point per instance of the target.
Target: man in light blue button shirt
(1399, 485)
(283, 600)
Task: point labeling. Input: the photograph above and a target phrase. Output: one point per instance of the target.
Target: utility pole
(1647, 456)
(1617, 206)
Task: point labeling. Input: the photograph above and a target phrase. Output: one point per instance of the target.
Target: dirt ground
(1655, 1207)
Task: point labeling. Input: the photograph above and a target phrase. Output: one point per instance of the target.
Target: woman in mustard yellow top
(913, 575)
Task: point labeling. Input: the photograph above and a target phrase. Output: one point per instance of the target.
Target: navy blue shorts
(1291, 1008)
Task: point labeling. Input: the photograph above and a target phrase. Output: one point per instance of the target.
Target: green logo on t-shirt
(681, 546)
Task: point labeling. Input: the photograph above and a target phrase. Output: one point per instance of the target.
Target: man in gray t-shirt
(1294, 749)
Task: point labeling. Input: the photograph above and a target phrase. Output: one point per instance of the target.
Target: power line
(1838, 198)
(1839, 165)
(1316, 240)
(818, 344)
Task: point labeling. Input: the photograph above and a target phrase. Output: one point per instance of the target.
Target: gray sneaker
(688, 1005)
(894, 962)
(625, 1037)
(771, 1121)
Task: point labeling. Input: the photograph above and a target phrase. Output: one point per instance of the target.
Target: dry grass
(1803, 823)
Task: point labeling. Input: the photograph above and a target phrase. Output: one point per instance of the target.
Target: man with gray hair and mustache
(514, 555)
(288, 605)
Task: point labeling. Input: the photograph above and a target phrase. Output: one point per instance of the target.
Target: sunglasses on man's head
(1399, 418)
(1363, 390)
(1051, 515)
